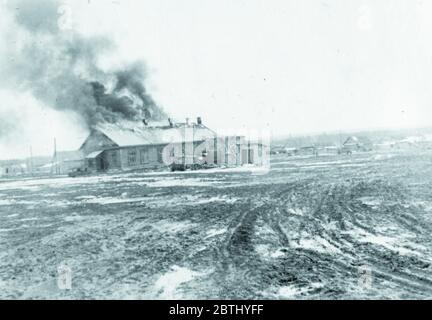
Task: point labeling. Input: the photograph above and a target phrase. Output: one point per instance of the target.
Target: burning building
(150, 145)
(111, 101)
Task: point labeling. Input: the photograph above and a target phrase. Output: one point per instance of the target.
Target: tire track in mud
(237, 252)
(269, 210)
(242, 228)
(414, 280)
(333, 203)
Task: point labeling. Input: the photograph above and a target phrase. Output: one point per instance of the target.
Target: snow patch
(370, 201)
(7, 202)
(266, 251)
(12, 215)
(73, 218)
(215, 199)
(390, 243)
(291, 292)
(383, 156)
(167, 285)
(318, 244)
(215, 232)
(296, 211)
(188, 182)
(85, 197)
(113, 200)
(165, 226)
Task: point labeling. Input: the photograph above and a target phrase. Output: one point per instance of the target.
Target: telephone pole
(31, 161)
(55, 160)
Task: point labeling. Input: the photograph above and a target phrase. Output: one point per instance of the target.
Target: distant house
(405, 144)
(308, 150)
(9, 168)
(414, 142)
(132, 145)
(291, 151)
(61, 163)
(408, 143)
(283, 150)
(332, 149)
(353, 143)
(69, 160)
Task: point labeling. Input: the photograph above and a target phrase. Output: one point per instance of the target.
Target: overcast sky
(294, 66)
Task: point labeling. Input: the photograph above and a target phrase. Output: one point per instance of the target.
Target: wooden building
(132, 145)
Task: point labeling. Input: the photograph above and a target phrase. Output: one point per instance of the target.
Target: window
(144, 156)
(132, 157)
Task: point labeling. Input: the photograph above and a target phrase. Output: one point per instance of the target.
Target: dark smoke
(122, 105)
(60, 68)
(130, 78)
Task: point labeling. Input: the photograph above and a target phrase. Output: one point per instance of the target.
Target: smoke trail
(60, 68)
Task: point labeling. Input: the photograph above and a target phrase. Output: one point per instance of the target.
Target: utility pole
(55, 164)
(31, 160)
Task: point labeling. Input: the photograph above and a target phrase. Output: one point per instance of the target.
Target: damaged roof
(135, 133)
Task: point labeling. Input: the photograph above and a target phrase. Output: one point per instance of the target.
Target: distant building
(61, 163)
(308, 150)
(69, 160)
(405, 144)
(332, 149)
(414, 142)
(353, 143)
(9, 168)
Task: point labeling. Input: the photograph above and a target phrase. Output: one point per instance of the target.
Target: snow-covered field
(328, 227)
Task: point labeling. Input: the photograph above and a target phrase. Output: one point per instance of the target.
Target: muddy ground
(327, 227)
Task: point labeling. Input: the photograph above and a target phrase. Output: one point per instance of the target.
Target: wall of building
(95, 142)
(230, 151)
(13, 170)
(259, 154)
(227, 151)
(68, 166)
(111, 159)
(234, 151)
(141, 157)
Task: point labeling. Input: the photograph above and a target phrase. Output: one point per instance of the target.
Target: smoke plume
(60, 67)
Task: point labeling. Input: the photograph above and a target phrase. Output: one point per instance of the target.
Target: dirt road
(328, 227)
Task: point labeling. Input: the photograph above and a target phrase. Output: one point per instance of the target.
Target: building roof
(136, 133)
(94, 155)
(356, 140)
